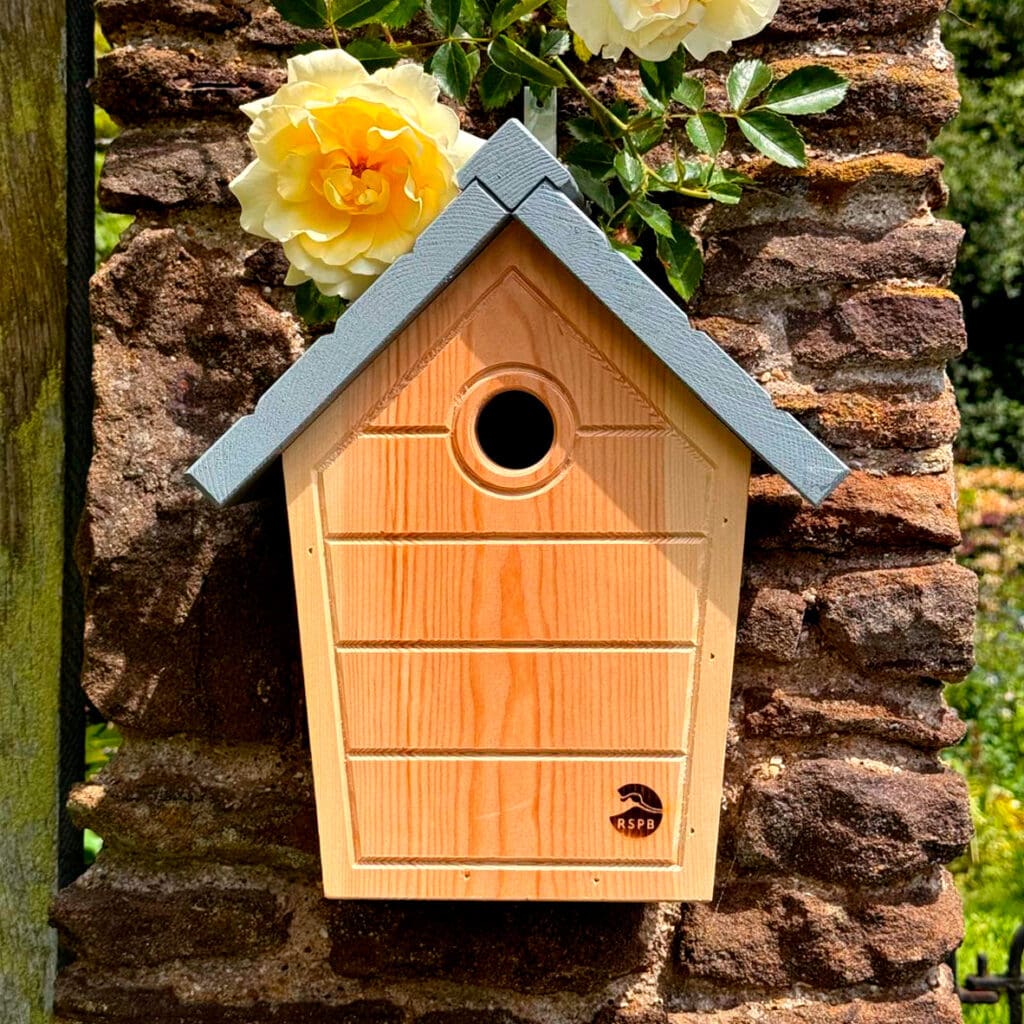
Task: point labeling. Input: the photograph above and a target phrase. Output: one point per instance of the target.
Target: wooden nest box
(517, 482)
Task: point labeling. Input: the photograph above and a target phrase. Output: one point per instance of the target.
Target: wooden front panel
(516, 592)
(620, 482)
(486, 668)
(502, 700)
(514, 811)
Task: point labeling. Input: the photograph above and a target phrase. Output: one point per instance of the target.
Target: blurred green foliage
(101, 742)
(109, 226)
(984, 153)
(991, 702)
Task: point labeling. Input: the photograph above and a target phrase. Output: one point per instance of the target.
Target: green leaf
(351, 14)
(554, 43)
(654, 217)
(596, 157)
(629, 170)
(453, 71)
(595, 190)
(498, 89)
(514, 60)
(586, 129)
(706, 132)
(507, 12)
(373, 53)
(747, 80)
(725, 192)
(400, 13)
(811, 90)
(473, 17)
(681, 257)
(632, 252)
(662, 78)
(304, 13)
(445, 14)
(690, 92)
(315, 308)
(647, 130)
(775, 136)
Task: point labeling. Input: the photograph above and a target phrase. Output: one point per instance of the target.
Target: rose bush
(350, 167)
(355, 155)
(654, 29)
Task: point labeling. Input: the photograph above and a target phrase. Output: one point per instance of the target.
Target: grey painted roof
(512, 177)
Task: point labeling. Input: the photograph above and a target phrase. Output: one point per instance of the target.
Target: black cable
(78, 402)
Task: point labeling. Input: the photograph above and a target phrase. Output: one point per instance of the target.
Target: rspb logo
(644, 815)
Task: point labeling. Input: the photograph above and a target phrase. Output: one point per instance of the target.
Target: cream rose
(350, 167)
(653, 29)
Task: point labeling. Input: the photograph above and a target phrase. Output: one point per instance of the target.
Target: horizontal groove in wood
(511, 538)
(610, 430)
(519, 863)
(513, 645)
(520, 592)
(633, 756)
(437, 430)
(551, 810)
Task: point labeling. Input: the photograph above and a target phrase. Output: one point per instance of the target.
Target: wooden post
(32, 309)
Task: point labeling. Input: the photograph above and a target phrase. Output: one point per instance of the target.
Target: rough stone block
(865, 510)
(83, 998)
(746, 341)
(191, 613)
(852, 823)
(918, 620)
(153, 168)
(863, 194)
(527, 947)
(771, 936)
(116, 16)
(896, 101)
(939, 1006)
(767, 259)
(770, 624)
(892, 325)
(848, 17)
(167, 916)
(469, 1017)
(849, 419)
(772, 714)
(181, 799)
(136, 84)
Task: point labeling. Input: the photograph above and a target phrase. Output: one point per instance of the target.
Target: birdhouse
(516, 481)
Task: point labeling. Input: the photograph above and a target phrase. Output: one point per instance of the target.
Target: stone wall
(833, 904)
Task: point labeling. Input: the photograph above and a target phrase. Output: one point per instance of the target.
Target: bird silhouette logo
(644, 814)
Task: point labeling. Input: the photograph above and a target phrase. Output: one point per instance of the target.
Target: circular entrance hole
(515, 429)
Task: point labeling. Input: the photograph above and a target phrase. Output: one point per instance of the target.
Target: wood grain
(33, 305)
(507, 700)
(410, 484)
(508, 590)
(478, 663)
(517, 811)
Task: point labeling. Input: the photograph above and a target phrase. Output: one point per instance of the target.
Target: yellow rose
(653, 29)
(350, 167)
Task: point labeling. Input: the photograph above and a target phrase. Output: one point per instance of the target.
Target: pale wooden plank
(383, 484)
(525, 811)
(509, 700)
(614, 592)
